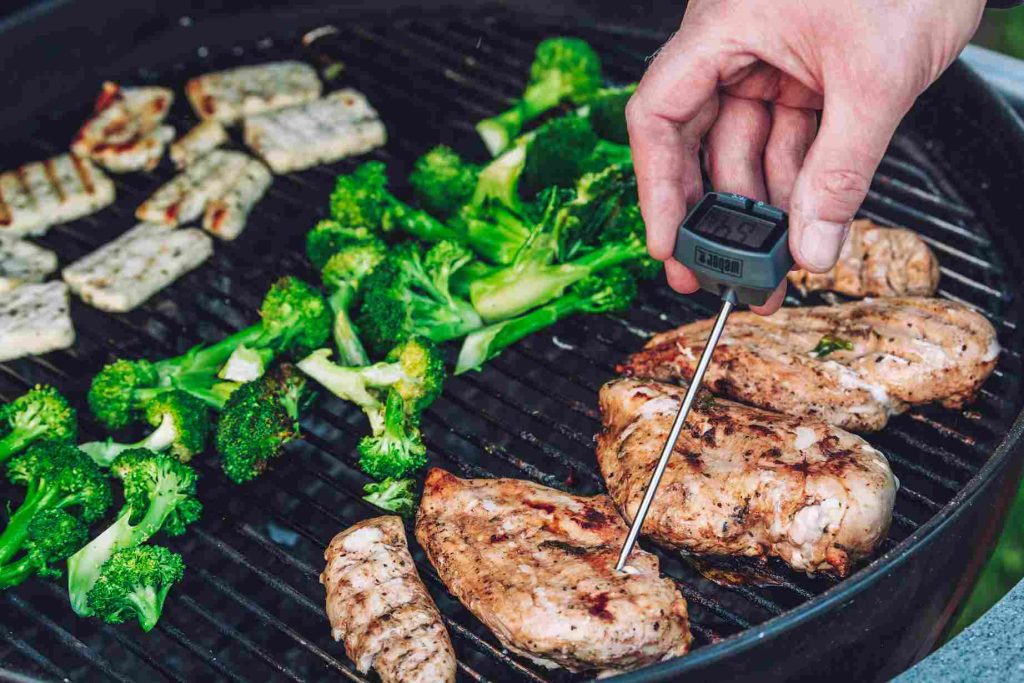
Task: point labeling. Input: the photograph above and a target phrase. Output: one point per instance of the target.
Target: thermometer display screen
(720, 223)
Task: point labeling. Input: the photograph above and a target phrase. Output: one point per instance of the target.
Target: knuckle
(846, 187)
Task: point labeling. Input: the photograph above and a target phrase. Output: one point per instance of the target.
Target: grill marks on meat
(537, 566)
(125, 133)
(906, 351)
(877, 261)
(744, 481)
(377, 604)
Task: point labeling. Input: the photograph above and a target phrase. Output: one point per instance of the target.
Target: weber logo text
(715, 261)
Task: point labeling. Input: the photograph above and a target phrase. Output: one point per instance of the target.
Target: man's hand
(747, 77)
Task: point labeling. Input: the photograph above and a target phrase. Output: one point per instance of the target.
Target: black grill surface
(250, 607)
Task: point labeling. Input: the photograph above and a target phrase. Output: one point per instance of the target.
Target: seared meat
(125, 132)
(537, 566)
(745, 481)
(227, 96)
(377, 604)
(899, 352)
(877, 261)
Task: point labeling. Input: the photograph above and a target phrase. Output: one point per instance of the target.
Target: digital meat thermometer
(738, 248)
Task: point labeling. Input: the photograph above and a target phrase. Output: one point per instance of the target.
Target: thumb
(836, 175)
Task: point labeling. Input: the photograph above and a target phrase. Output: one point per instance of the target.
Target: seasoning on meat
(203, 138)
(125, 132)
(340, 125)
(905, 352)
(745, 481)
(41, 194)
(877, 261)
(226, 216)
(22, 262)
(123, 273)
(379, 607)
(537, 566)
(35, 319)
(183, 198)
(227, 96)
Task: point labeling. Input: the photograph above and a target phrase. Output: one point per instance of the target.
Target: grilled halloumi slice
(40, 194)
(203, 138)
(122, 274)
(125, 132)
(227, 96)
(226, 216)
(183, 198)
(22, 262)
(35, 319)
(340, 125)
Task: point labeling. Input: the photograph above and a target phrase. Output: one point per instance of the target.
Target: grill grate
(250, 607)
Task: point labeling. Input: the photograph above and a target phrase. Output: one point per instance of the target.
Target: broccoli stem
(103, 453)
(418, 223)
(209, 359)
(149, 603)
(497, 132)
(499, 180)
(350, 348)
(345, 383)
(498, 240)
(13, 537)
(16, 441)
(16, 572)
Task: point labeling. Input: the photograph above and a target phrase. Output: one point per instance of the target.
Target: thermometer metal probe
(738, 249)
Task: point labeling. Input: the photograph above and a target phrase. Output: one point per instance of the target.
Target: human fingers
(734, 147)
(792, 132)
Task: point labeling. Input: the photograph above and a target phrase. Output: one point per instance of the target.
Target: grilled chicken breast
(227, 96)
(889, 354)
(377, 604)
(125, 132)
(877, 261)
(537, 566)
(41, 194)
(745, 481)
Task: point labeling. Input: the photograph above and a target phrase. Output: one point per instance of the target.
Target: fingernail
(820, 243)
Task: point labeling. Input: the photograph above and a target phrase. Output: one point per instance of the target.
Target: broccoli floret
(134, 582)
(53, 535)
(612, 290)
(258, 420)
(342, 275)
(606, 110)
(329, 236)
(57, 476)
(443, 181)
(159, 493)
(295, 319)
(396, 495)
(492, 230)
(628, 227)
(563, 68)
(42, 413)
(362, 198)
(181, 423)
(398, 449)
(409, 294)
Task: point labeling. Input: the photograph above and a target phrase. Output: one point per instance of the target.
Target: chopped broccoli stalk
(409, 294)
(398, 449)
(56, 476)
(443, 181)
(467, 274)
(563, 68)
(159, 493)
(342, 275)
(606, 110)
(258, 420)
(329, 236)
(396, 495)
(181, 421)
(361, 198)
(612, 290)
(53, 535)
(829, 344)
(245, 364)
(134, 583)
(41, 414)
(295, 319)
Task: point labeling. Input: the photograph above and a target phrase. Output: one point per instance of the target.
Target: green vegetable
(398, 448)
(134, 583)
(442, 181)
(329, 236)
(42, 413)
(245, 364)
(53, 535)
(342, 275)
(160, 494)
(181, 421)
(492, 230)
(295, 319)
(606, 110)
(396, 495)
(563, 68)
(830, 344)
(612, 290)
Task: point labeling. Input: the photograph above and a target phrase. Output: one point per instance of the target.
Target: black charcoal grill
(250, 607)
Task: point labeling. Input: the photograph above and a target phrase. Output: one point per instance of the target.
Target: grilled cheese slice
(41, 194)
(125, 133)
(226, 216)
(23, 262)
(340, 125)
(123, 273)
(203, 138)
(227, 96)
(35, 319)
(183, 198)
